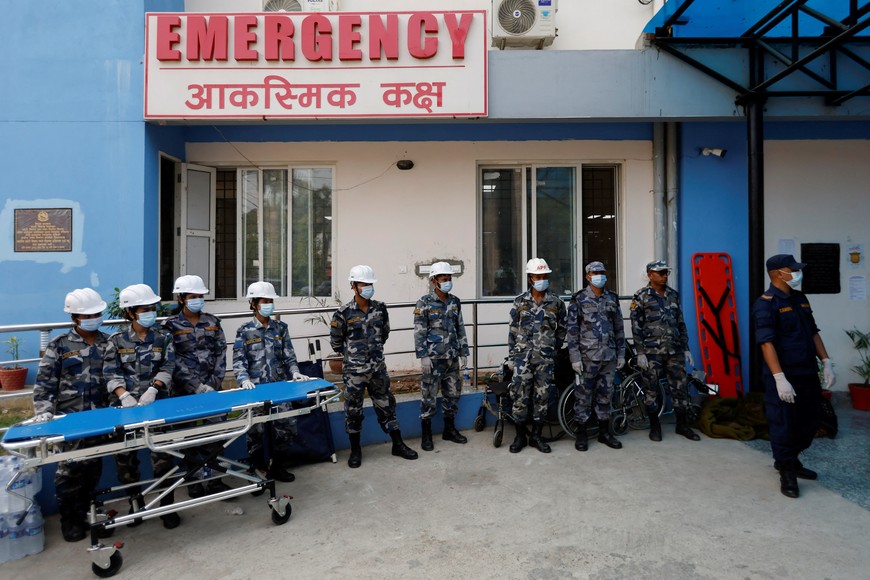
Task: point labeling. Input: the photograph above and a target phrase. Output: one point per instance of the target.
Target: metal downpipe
(671, 201)
(660, 230)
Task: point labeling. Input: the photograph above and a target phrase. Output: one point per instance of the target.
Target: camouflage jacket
(360, 336)
(536, 330)
(657, 322)
(595, 328)
(72, 374)
(139, 361)
(264, 354)
(439, 331)
(200, 352)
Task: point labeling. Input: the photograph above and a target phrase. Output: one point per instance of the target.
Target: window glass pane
(599, 220)
(250, 222)
(225, 235)
(312, 232)
(501, 215)
(554, 197)
(275, 229)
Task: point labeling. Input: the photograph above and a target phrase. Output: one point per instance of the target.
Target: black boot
(451, 433)
(788, 484)
(581, 440)
(655, 427)
(521, 440)
(537, 440)
(605, 436)
(72, 522)
(399, 447)
(426, 440)
(801, 472)
(173, 520)
(355, 459)
(683, 427)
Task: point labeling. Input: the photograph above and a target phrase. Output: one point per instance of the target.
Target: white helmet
(439, 268)
(189, 284)
(83, 301)
(261, 290)
(362, 273)
(137, 295)
(537, 266)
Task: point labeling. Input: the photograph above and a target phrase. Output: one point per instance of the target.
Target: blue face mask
(195, 304)
(367, 292)
(147, 319)
(90, 324)
(598, 280)
(541, 285)
(266, 310)
(446, 286)
(796, 277)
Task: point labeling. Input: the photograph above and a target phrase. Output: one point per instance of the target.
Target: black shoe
(399, 447)
(655, 426)
(604, 435)
(537, 440)
(280, 473)
(195, 490)
(801, 472)
(426, 439)
(788, 483)
(171, 521)
(355, 459)
(73, 529)
(451, 433)
(683, 426)
(581, 440)
(521, 440)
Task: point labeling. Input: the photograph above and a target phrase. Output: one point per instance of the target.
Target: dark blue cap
(780, 261)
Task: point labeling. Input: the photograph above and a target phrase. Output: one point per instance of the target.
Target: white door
(196, 223)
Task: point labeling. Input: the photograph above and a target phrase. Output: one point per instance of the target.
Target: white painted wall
(393, 220)
(582, 24)
(819, 192)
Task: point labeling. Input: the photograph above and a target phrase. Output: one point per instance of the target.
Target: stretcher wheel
(480, 423)
(498, 435)
(115, 562)
(280, 520)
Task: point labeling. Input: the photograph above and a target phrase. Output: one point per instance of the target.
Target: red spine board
(716, 307)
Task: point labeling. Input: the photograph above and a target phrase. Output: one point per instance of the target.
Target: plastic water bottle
(16, 536)
(5, 475)
(34, 534)
(466, 379)
(4, 540)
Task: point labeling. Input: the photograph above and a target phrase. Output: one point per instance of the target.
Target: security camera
(716, 152)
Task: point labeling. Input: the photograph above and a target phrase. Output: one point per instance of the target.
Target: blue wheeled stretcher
(167, 426)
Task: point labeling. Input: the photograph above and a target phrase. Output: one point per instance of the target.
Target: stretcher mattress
(98, 422)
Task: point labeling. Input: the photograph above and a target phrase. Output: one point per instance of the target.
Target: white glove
(247, 385)
(620, 362)
(128, 400)
(426, 363)
(203, 388)
(297, 376)
(642, 362)
(578, 367)
(784, 388)
(148, 397)
(689, 360)
(463, 362)
(828, 373)
(43, 417)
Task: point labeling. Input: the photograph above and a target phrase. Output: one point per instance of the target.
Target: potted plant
(860, 392)
(12, 377)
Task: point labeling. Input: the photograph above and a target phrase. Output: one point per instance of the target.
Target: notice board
(822, 274)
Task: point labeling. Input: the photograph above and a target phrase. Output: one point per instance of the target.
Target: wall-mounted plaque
(822, 274)
(43, 230)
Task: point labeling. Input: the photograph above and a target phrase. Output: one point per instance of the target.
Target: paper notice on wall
(786, 246)
(857, 288)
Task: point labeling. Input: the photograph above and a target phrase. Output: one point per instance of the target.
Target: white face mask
(598, 280)
(796, 277)
(367, 292)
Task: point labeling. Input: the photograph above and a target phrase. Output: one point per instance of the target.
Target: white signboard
(315, 65)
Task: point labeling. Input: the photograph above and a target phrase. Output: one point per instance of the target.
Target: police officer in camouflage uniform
(200, 358)
(358, 332)
(662, 345)
(596, 348)
(72, 378)
(263, 353)
(537, 332)
(144, 362)
(442, 347)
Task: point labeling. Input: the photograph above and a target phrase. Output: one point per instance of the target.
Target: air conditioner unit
(300, 5)
(523, 23)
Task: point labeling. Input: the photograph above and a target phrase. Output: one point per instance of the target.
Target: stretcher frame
(44, 444)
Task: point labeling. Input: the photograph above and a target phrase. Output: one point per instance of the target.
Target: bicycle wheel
(633, 403)
(566, 413)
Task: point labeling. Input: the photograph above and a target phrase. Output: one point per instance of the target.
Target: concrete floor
(675, 510)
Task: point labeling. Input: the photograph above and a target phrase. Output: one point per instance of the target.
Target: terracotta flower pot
(335, 365)
(13, 379)
(860, 394)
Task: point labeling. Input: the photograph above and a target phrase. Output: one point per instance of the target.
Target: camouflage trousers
(75, 481)
(444, 374)
(271, 441)
(377, 383)
(669, 369)
(595, 383)
(531, 385)
(127, 466)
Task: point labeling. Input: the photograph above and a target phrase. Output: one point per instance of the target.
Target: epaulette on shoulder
(766, 296)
